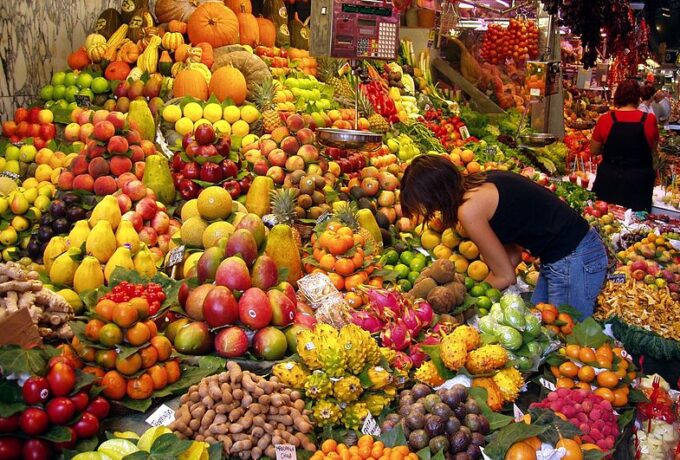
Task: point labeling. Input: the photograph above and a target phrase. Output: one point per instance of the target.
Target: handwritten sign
(549, 385)
(175, 256)
(370, 426)
(163, 416)
(464, 133)
(617, 278)
(517, 413)
(11, 175)
(285, 452)
(82, 101)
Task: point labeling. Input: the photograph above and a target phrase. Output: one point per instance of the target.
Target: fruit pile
(204, 221)
(447, 420)
(283, 61)
(366, 446)
(58, 220)
(349, 162)
(65, 86)
(127, 91)
(603, 370)
(224, 119)
(555, 321)
(406, 265)
(124, 292)
(376, 190)
(601, 218)
(450, 131)
(35, 123)
(653, 260)
(589, 412)
(517, 42)
(441, 286)
(22, 210)
(121, 346)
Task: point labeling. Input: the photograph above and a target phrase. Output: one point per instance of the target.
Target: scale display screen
(363, 9)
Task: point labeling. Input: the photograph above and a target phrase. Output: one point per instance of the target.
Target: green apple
(47, 92)
(70, 79)
(100, 85)
(12, 153)
(58, 78)
(84, 80)
(86, 92)
(71, 92)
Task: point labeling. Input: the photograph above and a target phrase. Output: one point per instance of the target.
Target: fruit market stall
(194, 266)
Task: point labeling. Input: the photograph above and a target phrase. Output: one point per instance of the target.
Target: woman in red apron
(627, 139)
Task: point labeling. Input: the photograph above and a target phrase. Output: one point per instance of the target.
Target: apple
(229, 168)
(233, 187)
(191, 170)
(147, 208)
(204, 134)
(211, 172)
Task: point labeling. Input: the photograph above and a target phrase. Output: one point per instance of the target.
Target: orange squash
(213, 23)
(267, 31)
(228, 83)
(78, 59)
(248, 30)
(177, 26)
(181, 10)
(117, 70)
(239, 6)
(182, 52)
(129, 52)
(190, 83)
(207, 56)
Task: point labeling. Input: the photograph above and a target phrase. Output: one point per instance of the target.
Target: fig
(430, 401)
(415, 421)
(472, 407)
(443, 410)
(472, 421)
(434, 425)
(420, 390)
(460, 441)
(418, 439)
(452, 426)
(439, 443)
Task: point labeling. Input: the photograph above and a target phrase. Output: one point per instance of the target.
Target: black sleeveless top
(534, 218)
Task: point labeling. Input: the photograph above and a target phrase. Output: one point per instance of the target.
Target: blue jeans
(576, 279)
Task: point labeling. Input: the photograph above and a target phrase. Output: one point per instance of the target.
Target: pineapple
(283, 203)
(328, 71)
(264, 100)
(376, 122)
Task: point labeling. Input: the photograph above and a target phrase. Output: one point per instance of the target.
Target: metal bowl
(538, 139)
(348, 139)
(599, 108)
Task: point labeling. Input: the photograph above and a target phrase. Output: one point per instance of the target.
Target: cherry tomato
(37, 449)
(67, 444)
(62, 379)
(10, 448)
(87, 426)
(36, 390)
(33, 421)
(99, 407)
(81, 400)
(60, 410)
(9, 424)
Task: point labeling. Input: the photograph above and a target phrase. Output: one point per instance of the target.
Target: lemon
(212, 112)
(215, 232)
(190, 209)
(3, 162)
(43, 172)
(27, 153)
(13, 166)
(184, 125)
(20, 223)
(214, 203)
(190, 264)
(200, 122)
(231, 114)
(249, 139)
(191, 231)
(30, 183)
(193, 111)
(249, 114)
(240, 128)
(222, 127)
(172, 113)
(12, 152)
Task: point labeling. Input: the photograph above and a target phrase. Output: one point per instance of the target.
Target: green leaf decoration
(589, 333)
(394, 437)
(56, 434)
(215, 451)
(496, 419)
(433, 352)
(509, 435)
(139, 455)
(15, 359)
(556, 427)
(11, 401)
(169, 445)
(636, 396)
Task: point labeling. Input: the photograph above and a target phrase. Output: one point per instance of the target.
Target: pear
(88, 275)
(144, 263)
(54, 248)
(101, 242)
(120, 258)
(126, 234)
(79, 234)
(107, 209)
(64, 267)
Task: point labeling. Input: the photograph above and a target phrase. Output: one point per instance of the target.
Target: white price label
(517, 413)
(163, 416)
(423, 252)
(549, 385)
(370, 426)
(626, 355)
(534, 92)
(464, 133)
(285, 452)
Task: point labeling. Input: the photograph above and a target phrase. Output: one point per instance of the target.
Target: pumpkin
(171, 40)
(248, 31)
(213, 23)
(128, 52)
(108, 22)
(267, 32)
(117, 70)
(252, 67)
(228, 83)
(207, 56)
(93, 40)
(180, 10)
(177, 26)
(78, 60)
(239, 6)
(165, 64)
(129, 8)
(191, 83)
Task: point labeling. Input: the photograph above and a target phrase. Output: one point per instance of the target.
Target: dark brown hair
(627, 93)
(432, 183)
(647, 92)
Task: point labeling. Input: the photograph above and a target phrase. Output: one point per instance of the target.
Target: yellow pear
(79, 234)
(88, 275)
(101, 242)
(120, 258)
(144, 263)
(107, 209)
(64, 267)
(126, 234)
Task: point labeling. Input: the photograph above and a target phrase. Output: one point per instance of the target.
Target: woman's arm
(496, 257)
(514, 253)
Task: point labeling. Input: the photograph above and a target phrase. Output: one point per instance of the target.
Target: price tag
(323, 217)
(370, 426)
(176, 256)
(491, 150)
(626, 355)
(163, 416)
(464, 133)
(285, 452)
(534, 92)
(11, 175)
(484, 456)
(517, 413)
(423, 252)
(617, 278)
(549, 385)
(82, 101)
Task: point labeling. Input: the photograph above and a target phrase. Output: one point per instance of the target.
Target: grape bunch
(152, 292)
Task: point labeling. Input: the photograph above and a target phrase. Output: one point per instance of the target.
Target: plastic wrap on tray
(334, 311)
(658, 443)
(317, 287)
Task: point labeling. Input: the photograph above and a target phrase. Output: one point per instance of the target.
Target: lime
(58, 92)
(388, 267)
(417, 264)
(401, 270)
(483, 311)
(58, 78)
(477, 291)
(406, 257)
(47, 92)
(413, 276)
(484, 302)
(71, 92)
(391, 257)
(493, 294)
(469, 283)
(485, 285)
(404, 285)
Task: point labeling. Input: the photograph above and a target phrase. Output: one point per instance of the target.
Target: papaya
(257, 199)
(282, 248)
(158, 178)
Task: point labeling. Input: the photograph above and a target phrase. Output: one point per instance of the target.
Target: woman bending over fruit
(504, 212)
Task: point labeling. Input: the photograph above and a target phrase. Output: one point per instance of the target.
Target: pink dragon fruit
(424, 312)
(367, 321)
(416, 353)
(402, 361)
(385, 303)
(395, 335)
(412, 321)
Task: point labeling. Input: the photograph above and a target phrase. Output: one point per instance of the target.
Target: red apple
(161, 222)
(229, 168)
(211, 172)
(233, 187)
(192, 170)
(204, 134)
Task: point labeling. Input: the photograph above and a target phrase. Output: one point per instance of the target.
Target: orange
(365, 440)
(337, 280)
(572, 350)
(403, 450)
(590, 446)
(586, 374)
(555, 371)
(345, 231)
(173, 371)
(138, 334)
(329, 445)
(603, 362)
(568, 369)
(620, 372)
(620, 398)
(114, 385)
(605, 352)
(354, 281)
(586, 355)
(353, 300)
(564, 382)
(129, 365)
(534, 442)
(140, 388)
(520, 451)
(106, 358)
(344, 267)
(142, 306)
(607, 379)
(572, 448)
(376, 451)
(159, 376)
(365, 451)
(569, 326)
(337, 245)
(88, 353)
(584, 386)
(149, 356)
(162, 346)
(376, 282)
(358, 259)
(93, 328)
(110, 335)
(327, 262)
(605, 393)
(396, 455)
(554, 329)
(105, 309)
(125, 315)
(153, 329)
(548, 316)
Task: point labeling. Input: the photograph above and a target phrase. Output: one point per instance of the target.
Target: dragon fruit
(402, 361)
(412, 321)
(385, 303)
(424, 312)
(396, 335)
(367, 321)
(416, 353)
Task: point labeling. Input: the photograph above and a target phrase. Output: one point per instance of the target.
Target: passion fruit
(472, 407)
(418, 439)
(415, 421)
(460, 441)
(452, 425)
(442, 410)
(439, 443)
(430, 401)
(472, 421)
(420, 390)
(434, 425)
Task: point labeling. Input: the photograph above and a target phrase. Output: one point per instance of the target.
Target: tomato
(87, 426)
(67, 444)
(81, 400)
(37, 449)
(36, 390)
(33, 421)
(99, 407)
(10, 448)
(60, 410)
(9, 424)
(62, 379)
